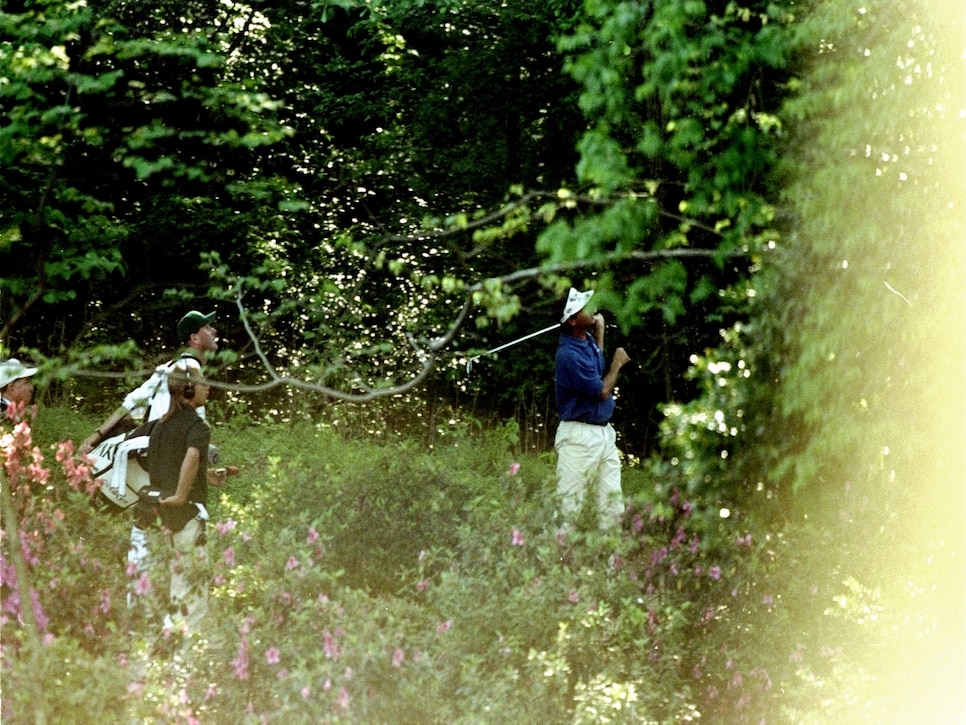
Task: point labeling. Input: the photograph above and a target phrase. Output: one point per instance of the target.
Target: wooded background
(767, 197)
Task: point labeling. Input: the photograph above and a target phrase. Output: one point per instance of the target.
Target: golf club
(469, 363)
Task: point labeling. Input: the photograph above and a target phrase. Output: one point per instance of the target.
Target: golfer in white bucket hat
(588, 461)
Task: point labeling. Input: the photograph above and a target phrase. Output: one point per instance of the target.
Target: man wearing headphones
(178, 469)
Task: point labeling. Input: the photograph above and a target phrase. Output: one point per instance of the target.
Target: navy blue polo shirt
(578, 381)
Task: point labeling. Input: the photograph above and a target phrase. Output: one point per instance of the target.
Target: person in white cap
(15, 384)
(588, 461)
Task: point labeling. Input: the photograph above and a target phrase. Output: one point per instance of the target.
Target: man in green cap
(151, 400)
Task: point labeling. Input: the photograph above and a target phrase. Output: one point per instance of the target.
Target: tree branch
(564, 200)
(427, 351)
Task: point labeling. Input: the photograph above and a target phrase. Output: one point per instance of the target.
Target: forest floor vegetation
(358, 581)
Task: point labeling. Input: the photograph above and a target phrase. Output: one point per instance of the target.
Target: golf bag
(120, 466)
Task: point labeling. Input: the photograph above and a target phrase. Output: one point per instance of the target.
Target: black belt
(587, 422)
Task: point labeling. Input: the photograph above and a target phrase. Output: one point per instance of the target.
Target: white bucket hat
(576, 301)
(13, 369)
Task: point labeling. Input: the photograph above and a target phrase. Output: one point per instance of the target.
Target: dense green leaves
(878, 236)
(841, 402)
(108, 118)
(768, 193)
(356, 168)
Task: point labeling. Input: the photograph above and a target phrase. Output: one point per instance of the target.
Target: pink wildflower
(330, 646)
(715, 572)
(514, 469)
(573, 598)
(224, 528)
(292, 563)
(272, 655)
(313, 536)
(229, 556)
(444, 627)
(516, 538)
(143, 585)
(240, 663)
(397, 658)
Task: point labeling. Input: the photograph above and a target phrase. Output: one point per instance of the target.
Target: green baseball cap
(192, 322)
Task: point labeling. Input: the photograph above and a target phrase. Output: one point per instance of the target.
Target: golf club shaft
(510, 344)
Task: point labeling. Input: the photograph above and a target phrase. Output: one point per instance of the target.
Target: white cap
(13, 369)
(576, 301)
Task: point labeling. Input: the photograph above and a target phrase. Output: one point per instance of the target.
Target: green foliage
(339, 164)
(699, 437)
(833, 401)
(112, 118)
(687, 611)
(683, 98)
(864, 281)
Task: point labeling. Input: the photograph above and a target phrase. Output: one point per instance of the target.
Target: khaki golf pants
(588, 462)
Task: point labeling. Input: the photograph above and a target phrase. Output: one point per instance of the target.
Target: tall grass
(358, 581)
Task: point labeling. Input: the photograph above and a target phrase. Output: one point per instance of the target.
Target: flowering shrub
(67, 561)
(329, 605)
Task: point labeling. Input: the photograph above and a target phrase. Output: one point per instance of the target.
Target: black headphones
(189, 385)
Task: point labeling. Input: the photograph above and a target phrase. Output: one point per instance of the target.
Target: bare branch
(565, 200)
(428, 362)
(614, 258)
(427, 351)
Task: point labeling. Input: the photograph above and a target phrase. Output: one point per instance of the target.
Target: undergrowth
(382, 582)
